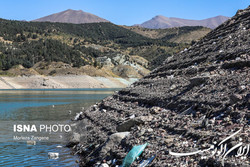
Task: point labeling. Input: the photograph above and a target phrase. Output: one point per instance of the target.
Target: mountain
(169, 22)
(197, 102)
(72, 16)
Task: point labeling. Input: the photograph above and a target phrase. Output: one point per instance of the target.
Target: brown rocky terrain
(194, 101)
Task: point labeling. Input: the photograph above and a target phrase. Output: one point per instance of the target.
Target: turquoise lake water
(41, 107)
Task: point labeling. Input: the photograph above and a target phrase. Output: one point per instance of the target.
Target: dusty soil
(65, 81)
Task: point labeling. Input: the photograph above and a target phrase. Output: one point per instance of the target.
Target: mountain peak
(160, 21)
(72, 10)
(72, 16)
(160, 17)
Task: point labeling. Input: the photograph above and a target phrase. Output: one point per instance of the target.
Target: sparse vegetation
(172, 34)
(27, 43)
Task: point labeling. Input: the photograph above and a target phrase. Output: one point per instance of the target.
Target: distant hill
(161, 22)
(72, 16)
(185, 34)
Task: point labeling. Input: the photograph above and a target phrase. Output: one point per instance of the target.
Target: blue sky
(122, 12)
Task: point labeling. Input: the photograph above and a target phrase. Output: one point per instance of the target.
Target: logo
(42, 128)
(221, 149)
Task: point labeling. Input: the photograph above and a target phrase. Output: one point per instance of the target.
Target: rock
(94, 107)
(242, 87)
(75, 138)
(204, 123)
(117, 137)
(235, 98)
(198, 81)
(127, 125)
(132, 116)
(169, 140)
(145, 118)
(155, 110)
(104, 110)
(188, 111)
(142, 131)
(173, 87)
(211, 121)
(226, 119)
(104, 165)
(97, 164)
(112, 141)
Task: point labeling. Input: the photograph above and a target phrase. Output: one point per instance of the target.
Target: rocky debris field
(197, 102)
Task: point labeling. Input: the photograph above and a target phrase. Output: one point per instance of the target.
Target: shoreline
(63, 82)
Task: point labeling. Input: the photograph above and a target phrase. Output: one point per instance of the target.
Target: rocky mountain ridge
(193, 102)
(157, 22)
(161, 22)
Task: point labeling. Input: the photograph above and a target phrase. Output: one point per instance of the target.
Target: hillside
(177, 34)
(197, 102)
(72, 16)
(94, 44)
(161, 22)
(118, 50)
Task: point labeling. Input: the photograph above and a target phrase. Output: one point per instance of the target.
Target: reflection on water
(41, 105)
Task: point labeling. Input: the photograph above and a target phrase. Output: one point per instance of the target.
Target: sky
(122, 12)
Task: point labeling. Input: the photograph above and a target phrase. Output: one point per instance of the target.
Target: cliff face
(197, 98)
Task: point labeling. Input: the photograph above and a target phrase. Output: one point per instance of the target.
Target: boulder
(127, 125)
(235, 98)
(117, 137)
(196, 81)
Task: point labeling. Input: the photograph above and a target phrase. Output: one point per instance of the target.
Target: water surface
(41, 106)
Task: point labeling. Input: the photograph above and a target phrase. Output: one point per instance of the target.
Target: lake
(40, 107)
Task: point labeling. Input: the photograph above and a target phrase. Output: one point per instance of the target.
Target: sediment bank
(66, 81)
